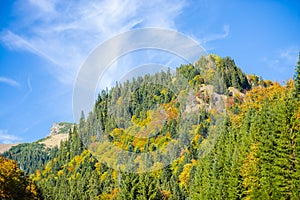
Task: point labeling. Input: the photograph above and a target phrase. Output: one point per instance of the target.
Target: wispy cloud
(283, 60)
(216, 36)
(29, 91)
(290, 54)
(7, 138)
(64, 32)
(14, 41)
(9, 81)
(30, 126)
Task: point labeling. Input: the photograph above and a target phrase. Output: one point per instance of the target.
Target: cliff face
(58, 132)
(54, 140)
(55, 129)
(60, 128)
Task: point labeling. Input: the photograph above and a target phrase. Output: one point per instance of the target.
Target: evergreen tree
(129, 186)
(297, 79)
(250, 152)
(147, 187)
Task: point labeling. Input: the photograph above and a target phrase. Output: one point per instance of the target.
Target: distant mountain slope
(6, 147)
(54, 140)
(58, 132)
(32, 156)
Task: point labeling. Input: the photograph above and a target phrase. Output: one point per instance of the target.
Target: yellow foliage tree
(249, 171)
(13, 183)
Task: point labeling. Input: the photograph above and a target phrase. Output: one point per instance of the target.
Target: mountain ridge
(224, 135)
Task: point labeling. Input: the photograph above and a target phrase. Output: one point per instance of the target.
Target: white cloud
(44, 5)
(290, 54)
(14, 41)
(9, 81)
(217, 36)
(64, 32)
(6, 138)
(282, 61)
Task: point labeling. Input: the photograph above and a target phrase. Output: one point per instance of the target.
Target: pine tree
(147, 187)
(129, 186)
(297, 79)
(176, 193)
(201, 188)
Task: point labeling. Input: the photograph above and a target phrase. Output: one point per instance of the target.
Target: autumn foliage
(13, 183)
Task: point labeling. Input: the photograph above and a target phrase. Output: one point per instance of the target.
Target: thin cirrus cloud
(7, 138)
(64, 32)
(9, 81)
(286, 59)
(290, 54)
(14, 41)
(217, 36)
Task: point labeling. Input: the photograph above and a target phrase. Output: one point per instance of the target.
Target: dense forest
(206, 131)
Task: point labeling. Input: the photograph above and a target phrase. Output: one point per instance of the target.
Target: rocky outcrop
(55, 129)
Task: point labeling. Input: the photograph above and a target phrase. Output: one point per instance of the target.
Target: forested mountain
(33, 156)
(208, 131)
(30, 156)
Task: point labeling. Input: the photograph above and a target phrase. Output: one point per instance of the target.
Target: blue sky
(43, 44)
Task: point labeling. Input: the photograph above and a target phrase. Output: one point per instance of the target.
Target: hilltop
(207, 131)
(58, 132)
